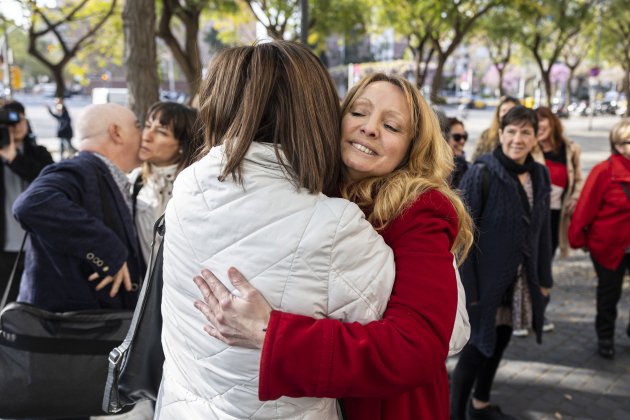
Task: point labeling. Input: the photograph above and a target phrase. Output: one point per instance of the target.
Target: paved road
(564, 378)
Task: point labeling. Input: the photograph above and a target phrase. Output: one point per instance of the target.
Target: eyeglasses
(459, 137)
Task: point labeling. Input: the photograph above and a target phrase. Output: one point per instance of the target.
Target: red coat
(601, 221)
(393, 368)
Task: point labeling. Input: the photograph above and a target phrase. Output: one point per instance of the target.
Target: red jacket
(388, 369)
(601, 220)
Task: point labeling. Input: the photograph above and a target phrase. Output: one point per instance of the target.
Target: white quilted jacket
(307, 253)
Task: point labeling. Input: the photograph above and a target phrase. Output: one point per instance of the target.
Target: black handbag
(54, 364)
(135, 366)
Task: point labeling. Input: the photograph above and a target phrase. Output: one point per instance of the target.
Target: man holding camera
(21, 160)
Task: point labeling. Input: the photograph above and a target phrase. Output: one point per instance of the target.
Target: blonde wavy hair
(426, 166)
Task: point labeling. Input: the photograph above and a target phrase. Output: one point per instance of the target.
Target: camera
(7, 118)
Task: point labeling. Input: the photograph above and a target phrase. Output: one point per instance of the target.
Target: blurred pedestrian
(489, 139)
(170, 139)
(601, 223)
(456, 138)
(64, 128)
(396, 166)
(21, 160)
(508, 274)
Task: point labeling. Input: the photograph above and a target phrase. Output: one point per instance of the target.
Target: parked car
(114, 95)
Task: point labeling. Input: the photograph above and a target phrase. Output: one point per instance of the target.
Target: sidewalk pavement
(564, 378)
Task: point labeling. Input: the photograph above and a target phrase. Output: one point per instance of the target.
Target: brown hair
(183, 122)
(556, 137)
(426, 166)
(276, 92)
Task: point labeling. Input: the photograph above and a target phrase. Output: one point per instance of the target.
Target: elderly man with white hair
(83, 251)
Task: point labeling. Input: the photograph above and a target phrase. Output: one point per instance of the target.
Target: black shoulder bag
(55, 364)
(135, 366)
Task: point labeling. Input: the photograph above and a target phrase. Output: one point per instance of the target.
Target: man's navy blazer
(71, 237)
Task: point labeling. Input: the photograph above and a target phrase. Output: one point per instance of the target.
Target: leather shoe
(606, 349)
(491, 412)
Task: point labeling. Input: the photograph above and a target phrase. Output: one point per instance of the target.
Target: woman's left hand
(570, 206)
(237, 321)
(545, 291)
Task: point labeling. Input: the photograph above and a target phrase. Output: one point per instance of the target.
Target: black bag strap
(137, 186)
(5, 296)
(117, 356)
(624, 185)
(56, 345)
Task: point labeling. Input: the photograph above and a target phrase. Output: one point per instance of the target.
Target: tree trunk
(567, 94)
(501, 71)
(417, 60)
(626, 88)
(547, 83)
(436, 83)
(140, 55)
(57, 74)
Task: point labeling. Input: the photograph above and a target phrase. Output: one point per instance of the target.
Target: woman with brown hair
(170, 139)
(271, 120)
(562, 158)
(489, 139)
(396, 167)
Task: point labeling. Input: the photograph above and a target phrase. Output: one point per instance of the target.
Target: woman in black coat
(507, 276)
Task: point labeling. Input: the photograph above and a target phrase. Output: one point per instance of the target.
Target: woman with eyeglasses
(601, 223)
(456, 138)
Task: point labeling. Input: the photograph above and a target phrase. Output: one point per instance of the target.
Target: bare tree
(573, 55)
(140, 55)
(185, 53)
(46, 22)
(457, 20)
(548, 30)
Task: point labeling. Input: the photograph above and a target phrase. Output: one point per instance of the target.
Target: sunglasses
(624, 143)
(459, 137)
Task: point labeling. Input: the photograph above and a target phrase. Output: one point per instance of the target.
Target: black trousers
(7, 259)
(475, 369)
(555, 231)
(609, 284)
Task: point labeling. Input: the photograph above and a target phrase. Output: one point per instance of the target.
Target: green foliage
(281, 18)
(548, 26)
(615, 41)
(348, 18)
(31, 68)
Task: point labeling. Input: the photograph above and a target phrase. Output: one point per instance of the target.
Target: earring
(181, 151)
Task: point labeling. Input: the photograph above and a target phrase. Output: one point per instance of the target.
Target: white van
(113, 95)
